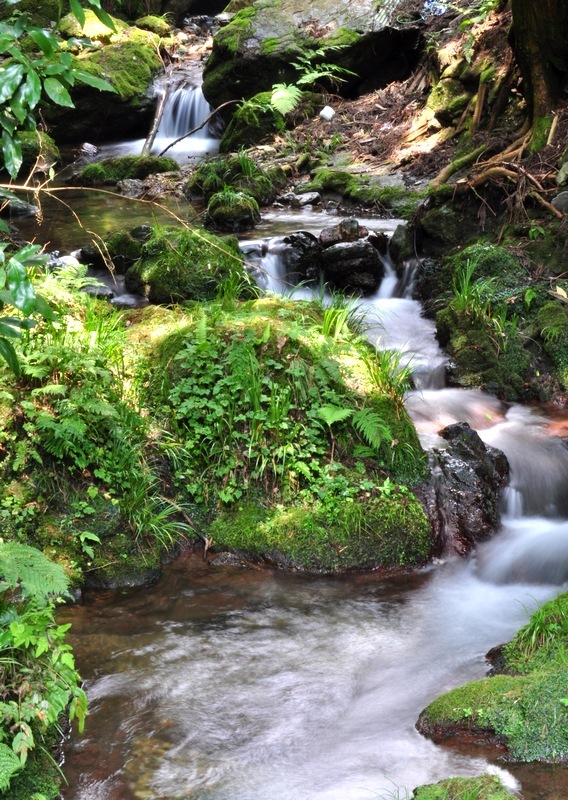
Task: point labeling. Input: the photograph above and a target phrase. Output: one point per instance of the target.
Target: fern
(285, 97)
(26, 569)
(372, 428)
(9, 765)
(332, 414)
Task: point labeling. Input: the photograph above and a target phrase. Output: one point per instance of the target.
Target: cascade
(239, 684)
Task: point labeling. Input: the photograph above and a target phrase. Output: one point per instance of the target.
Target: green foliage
(112, 170)
(45, 74)
(17, 291)
(250, 400)
(38, 679)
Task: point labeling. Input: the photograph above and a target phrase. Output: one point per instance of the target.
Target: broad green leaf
(32, 90)
(10, 79)
(12, 150)
(55, 69)
(4, 227)
(42, 307)
(18, 322)
(77, 11)
(6, 41)
(57, 92)
(8, 353)
(17, 105)
(20, 286)
(46, 42)
(92, 80)
(5, 194)
(8, 331)
(7, 122)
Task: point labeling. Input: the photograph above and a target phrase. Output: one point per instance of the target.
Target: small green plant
(536, 231)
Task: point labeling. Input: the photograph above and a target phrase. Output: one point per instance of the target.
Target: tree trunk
(540, 29)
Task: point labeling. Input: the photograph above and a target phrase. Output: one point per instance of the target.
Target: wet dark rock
(354, 266)
(348, 230)
(131, 187)
(462, 497)
(18, 208)
(303, 258)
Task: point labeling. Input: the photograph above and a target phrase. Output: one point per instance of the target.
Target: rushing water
(239, 684)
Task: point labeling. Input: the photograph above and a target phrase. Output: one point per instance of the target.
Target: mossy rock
(129, 65)
(38, 151)
(527, 711)
(180, 264)
(157, 25)
(448, 99)
(42, 12)
(69, 27)
(388, 532)
(251, 123)
(112, 170)
(484, 787)
(232, 211)
(241, 173)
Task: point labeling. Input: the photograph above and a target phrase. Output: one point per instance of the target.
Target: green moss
(253, 121)
(112, 170)
(93, 28)
(240, 173)
(41, 774)
(484, 787)
(232, 211)
(389, 531)
(528, 711)
(38, 148)
(448, 99)
(231, 37)
(127, 65)
(180, 264)
(157, 25)
(41, 13)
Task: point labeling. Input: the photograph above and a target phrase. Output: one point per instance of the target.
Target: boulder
(463, 495)
(303, 256)
(259, 46)
(348, 230)
(353, 266)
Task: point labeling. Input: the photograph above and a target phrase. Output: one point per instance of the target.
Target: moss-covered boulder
(70, 27)
(484, 787)
(525, 707)
(387, 531)
(183, 264)
(232, 211)
(112, 170)
(241, 173)
(259, 46)
(39, 151)
(129, 65)
(448, 99)
(42, 12)
(151, 22)
(363, 190)
(285, 433)
(252, 122)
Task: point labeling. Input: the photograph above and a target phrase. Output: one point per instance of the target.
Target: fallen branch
(198, 128)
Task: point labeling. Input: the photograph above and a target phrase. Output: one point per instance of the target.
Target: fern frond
(29, 570)
(372, 427)
(332, 414)
(285, 97)
(9, 765)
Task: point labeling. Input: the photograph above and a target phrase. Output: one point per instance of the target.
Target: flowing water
(225, 683)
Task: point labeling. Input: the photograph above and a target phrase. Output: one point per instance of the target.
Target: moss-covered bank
(524, 707)
(485, 787)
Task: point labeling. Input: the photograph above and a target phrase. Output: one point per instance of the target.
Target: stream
(242, 684)
(226, 683)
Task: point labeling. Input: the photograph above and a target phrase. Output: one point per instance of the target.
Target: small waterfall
(185, 109)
